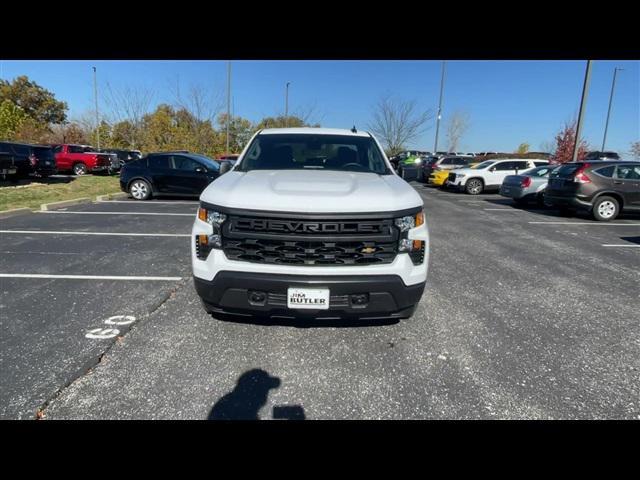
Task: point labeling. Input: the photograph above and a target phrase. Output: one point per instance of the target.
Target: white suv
(311, 221)
(489, 174)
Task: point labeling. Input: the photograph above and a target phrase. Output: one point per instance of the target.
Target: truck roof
(315, 131)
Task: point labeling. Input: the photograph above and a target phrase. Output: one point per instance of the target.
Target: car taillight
(579, 176)
(526, 182)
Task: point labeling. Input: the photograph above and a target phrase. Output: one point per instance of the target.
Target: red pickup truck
(80, 159)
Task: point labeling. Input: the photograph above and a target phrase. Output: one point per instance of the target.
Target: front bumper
(388, 296)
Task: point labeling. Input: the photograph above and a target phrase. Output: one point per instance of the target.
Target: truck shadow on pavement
(305, 322)
(249, 396)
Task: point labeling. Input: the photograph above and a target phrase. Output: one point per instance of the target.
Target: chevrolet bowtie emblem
(368, 250)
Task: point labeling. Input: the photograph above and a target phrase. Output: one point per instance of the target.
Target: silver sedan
(528, 186)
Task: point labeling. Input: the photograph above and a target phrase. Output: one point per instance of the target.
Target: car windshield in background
(483, 165)
(314, 152)
(540, 172)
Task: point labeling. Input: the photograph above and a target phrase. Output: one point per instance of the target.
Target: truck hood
(311, 191)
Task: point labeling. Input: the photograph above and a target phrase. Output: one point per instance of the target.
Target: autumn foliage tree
(565, 141)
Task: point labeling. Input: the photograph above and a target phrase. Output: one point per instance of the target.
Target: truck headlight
(460, 175)
(410, 221)
(415, 248)
(207, 242)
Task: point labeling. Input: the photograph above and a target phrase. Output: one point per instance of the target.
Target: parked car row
(603, 188)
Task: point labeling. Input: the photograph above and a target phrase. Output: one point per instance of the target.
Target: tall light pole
(95, 94)
(228, 102)
(606, 125)
(583, 108)
(435, 146)
(286, 105)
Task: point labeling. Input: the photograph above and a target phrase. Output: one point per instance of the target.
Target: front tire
(605, 209)
(80, 169)
(474, 186)
(140, 190)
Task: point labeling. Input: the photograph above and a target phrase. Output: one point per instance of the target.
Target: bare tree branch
(457, 127)
(398, 122)
(129, 104)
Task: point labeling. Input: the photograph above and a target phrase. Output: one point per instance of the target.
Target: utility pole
(606, 125)
(95, 94)
(286, 105)
(228, 102)
(583, 107)
(435, 146)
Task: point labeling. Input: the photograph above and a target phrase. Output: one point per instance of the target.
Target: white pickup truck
(489, 174)
(311, 222)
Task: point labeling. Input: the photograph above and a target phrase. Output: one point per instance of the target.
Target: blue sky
(508, 102)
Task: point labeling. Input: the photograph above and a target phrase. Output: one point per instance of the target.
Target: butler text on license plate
(311, 298)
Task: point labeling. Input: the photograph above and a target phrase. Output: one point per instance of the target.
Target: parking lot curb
(14, 212)
(111, 196)
(64, 203)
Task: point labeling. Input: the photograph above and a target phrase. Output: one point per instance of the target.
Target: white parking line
(119, 213)
(149, 203)
(53, 232)
(620, 246)
(89, 277)
(605, 224)
(503, 210)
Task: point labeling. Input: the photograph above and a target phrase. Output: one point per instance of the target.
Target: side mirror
(492, 169)
(201, 170)
(225, 167)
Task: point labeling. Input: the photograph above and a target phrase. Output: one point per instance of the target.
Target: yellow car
(438, 177)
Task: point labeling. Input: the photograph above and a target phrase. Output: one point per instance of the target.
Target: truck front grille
(310, 242)
(452, 177)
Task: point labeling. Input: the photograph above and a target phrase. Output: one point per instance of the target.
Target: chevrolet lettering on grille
(264, 225)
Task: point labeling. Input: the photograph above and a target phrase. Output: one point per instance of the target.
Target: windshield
(314, 152)
(484, 165)
(540, 171)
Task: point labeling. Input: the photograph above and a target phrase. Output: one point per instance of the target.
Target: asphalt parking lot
(526, 315)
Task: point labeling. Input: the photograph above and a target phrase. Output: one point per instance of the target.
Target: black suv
(21, 153)
(168, 173)
(604, 188)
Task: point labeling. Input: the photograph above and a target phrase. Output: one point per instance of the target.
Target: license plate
(506, 190)
(309, 298)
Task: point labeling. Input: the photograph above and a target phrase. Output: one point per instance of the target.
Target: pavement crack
(97, 360)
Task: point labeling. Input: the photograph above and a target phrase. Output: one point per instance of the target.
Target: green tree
(37, 102)
(122, 134)
(281, 121)
(240, 132)
(12, 118)
(105, 135)
(523, 148)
